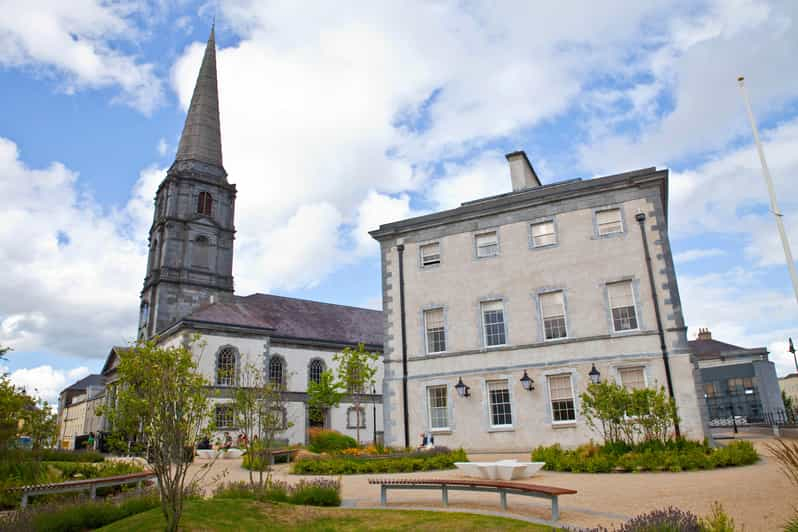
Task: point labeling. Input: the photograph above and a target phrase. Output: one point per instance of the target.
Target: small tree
(356, 373)
(259, 408)
(162, 395)
(323, 395)
(39, 422)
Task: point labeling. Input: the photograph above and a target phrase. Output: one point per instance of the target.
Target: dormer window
(204, 203)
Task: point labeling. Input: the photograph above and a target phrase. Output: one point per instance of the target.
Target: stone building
(497, 312)
(77, 412)
(188, 289)
(737, 381)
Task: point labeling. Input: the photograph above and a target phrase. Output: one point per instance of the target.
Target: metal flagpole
(774, 208)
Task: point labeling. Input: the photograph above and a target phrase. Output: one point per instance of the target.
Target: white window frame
(421, 255)
(543, 317)
(532, 226)
(641, 367)
(634, 305)
(494, 232)
(620, 221)
(573, 397)
(485, 325)
(353, 410)
(445, 389)
(426, 331)
(508, 385)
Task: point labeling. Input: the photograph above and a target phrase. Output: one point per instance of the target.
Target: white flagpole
(774, 208)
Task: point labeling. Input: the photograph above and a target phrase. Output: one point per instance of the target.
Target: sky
(339, 116)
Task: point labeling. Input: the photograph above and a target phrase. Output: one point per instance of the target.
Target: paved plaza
(759, 496)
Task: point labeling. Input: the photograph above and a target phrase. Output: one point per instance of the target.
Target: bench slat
(84, 482)
(521, 486)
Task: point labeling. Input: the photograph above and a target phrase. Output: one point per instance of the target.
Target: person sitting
(427, 440)
(204, 443)
(228, 441)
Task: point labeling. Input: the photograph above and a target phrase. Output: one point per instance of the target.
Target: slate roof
(706, 349)
(301, 319)
(84, 383)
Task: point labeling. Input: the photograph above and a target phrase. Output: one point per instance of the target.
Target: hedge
(675, 456)
(329, 441)
(350, 465)
(314, 492)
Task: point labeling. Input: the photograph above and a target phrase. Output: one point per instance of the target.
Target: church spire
(201, 139)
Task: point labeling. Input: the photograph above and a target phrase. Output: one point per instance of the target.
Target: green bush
(78, 517)
(351, 465)
(316, 492)
(60, 455)
(675, 455)
(329, 441)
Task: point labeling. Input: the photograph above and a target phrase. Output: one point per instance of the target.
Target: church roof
(299, 319)
(84, 383)
(202, 138)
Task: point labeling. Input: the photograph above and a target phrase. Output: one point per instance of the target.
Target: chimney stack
(704, 334)
(522, 174)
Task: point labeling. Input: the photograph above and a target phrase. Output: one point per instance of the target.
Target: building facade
(736, 381)
(546, 282)
(77, 412)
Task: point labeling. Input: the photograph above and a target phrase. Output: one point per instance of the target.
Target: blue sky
(338, 118)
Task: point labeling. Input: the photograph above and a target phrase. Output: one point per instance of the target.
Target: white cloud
(72, 271)
(75, 40)
(375, 210)
(162, 147)
(45, 382)
(697, 254)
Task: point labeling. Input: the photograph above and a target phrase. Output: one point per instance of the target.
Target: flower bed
(439, 458)
(316, 492)
(673, 456)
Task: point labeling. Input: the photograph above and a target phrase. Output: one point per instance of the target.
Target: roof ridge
(310, 301)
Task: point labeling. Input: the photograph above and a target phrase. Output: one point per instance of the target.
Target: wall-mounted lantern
(595, 375)
(462, 389)
(527, 382)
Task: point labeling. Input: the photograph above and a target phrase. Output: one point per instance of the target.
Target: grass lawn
(242, 514)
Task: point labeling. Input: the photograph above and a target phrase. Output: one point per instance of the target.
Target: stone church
(188, 289)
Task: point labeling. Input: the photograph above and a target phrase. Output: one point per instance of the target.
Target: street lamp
(595, 375)
(462, 389)
(374, 412)
(527, 382)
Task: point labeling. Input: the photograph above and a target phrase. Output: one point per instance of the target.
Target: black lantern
(527, 382)
(462, 389)
(595, 375)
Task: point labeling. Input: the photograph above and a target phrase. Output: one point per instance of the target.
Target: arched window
(199, 252)
(205, 203)
(315, 370)
(276, 371)
(226, 367)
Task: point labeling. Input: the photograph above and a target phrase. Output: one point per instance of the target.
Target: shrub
(675, 455)
(351, 465)
(328, 441)
(668, 520)
(68, 517)
(60, 455)
(718, 520)
(316, 492)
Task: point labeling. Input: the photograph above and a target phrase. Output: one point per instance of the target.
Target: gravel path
(759, 496)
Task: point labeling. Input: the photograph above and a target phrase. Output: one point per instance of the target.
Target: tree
(12, 405)
(161, 395)
(259, 409)
(356, 372)
(39, 422)
(323, 395)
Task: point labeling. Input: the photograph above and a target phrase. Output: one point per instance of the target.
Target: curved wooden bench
(551, 493)
(90, 484)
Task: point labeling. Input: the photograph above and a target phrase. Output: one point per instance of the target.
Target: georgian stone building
(498, 312)
(188, 289)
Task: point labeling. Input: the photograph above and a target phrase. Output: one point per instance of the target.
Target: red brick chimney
(704, 334)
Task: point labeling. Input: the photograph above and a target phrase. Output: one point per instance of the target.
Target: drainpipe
(401, 251)
(641, 218)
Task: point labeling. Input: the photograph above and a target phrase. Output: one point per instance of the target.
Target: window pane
(224, 416)
(500, 407)
(622, 304)
(493, 322)
(562, 399)
(315, 370)
(276, 371)
(633, 378)
(431, 254)
(487, 245)
(609, 221)
(225, 367)
(552, 307)
(543, 234)
(436, 333)
(438, 412)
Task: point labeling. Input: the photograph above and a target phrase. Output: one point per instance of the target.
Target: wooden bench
(446, 484)
(90, 484)
(283, 452)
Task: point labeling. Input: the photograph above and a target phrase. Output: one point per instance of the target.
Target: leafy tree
(161, 395)
(12, 404)
(323, 395)
(259, 408)
(356, 373)
(39, 423)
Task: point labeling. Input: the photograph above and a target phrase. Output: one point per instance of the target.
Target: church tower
(191, 239)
